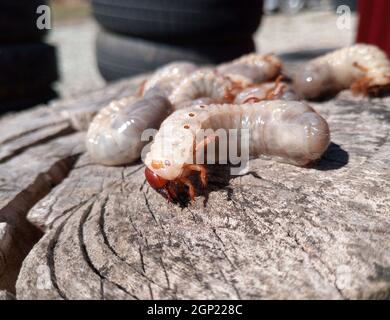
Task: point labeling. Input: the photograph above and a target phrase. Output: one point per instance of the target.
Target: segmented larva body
(202, 84)
(363, 68)
(267, 91)
(114, 135)
(289, 130)
(169, 76)
(252, 68)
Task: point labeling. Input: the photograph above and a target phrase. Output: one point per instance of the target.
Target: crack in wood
(88, 260)
(15, 212)
(111, 248)
(310, 256)
(18, 151)
(30, 131)
(50, 258)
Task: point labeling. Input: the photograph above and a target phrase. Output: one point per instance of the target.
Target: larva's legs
(141, 88)
(203, 144)
(252, 100)
(276, 89)
(171, 189)
(361, 85)
(202, 172)
(360, 67)
(191, 189)
(271, 59)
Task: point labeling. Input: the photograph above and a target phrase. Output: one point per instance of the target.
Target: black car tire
(18, 21)
(190, 21)
(352, 4)
(120, 56)
(26, 69)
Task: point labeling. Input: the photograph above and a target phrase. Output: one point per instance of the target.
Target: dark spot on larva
(167, 163)
(186, 126)
(202, 107)
(191, 114)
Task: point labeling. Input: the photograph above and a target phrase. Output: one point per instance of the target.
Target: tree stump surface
(85, 231)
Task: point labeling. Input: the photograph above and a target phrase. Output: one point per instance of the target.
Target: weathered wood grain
(277, 232)
(24, 180)
(38, 148)
(5, 295)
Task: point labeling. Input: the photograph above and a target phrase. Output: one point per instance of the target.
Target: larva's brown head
(155, 181)
(161, 185)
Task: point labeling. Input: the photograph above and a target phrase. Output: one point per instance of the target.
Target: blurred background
(93, 42)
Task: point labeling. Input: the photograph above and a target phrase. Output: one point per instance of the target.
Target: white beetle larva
(289, 130)
(277, 90)
(363, 68)
(169, 76)
(114, 135)
(252, 68)
(204, 83)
